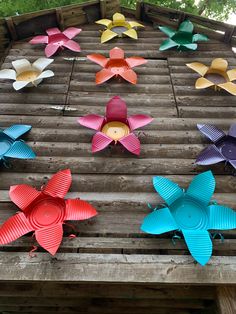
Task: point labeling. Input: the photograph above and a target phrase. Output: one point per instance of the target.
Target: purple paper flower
(223, 147)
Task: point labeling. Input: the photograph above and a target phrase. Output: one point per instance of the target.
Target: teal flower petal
(200, 37)
(167, 30)
(186, 26)
(199, 244)
(167, 189)
(221, 217)
(190, 46)
(17, 130)
(159, 221)
(167, 44)
(202, 187)
(20, 150)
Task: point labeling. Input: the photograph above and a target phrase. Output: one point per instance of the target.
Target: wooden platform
(112, 267)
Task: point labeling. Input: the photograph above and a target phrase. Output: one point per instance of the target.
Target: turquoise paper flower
(190, 212)
(183, 38)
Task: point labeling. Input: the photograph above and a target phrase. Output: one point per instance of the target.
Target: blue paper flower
(190, 212)
(10, 147)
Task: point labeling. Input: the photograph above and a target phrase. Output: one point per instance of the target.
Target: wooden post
(228, 34)
(60, 18)
(226, 300)
(103, 8)
(138, 12)
(11, 28)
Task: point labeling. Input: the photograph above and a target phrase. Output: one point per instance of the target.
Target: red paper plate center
(117, 66)
(47, 212)
(228, 149)
(58, 39)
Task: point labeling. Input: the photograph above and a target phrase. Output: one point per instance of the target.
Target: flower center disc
(228, 149)
(4, 146)
(115, 130)
(189, 214)
(28, 76)
(215, 78)
(58, 39)
(119, 29)
(46, 212)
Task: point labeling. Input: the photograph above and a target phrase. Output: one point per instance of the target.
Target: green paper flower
(183, 38)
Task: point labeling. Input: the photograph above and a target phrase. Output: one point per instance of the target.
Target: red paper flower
(116, 65)
(115, 126)
(44, 212)
(57, 39)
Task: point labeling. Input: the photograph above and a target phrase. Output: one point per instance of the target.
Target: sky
(232, 19)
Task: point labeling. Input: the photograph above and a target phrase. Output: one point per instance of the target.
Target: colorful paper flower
(190, 212)
(57, 39)
(115, 127)
(215, 76)
(27, 74)
(223, 149)
(117, 27)
(10, 147)
(116, 66)
(44, 212)
(183, 38)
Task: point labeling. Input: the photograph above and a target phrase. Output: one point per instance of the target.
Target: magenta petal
(209, 156)
(116, 109)
(92, 121)
(232, 130)
(100, 141)
(53, 31)
(71, 32)
(51, 49)
(39, 40)
(15, 227)
(131, 143)
(138, 120)
(72, 45)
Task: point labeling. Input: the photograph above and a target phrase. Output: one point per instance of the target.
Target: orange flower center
(115, 130)
(28, 76)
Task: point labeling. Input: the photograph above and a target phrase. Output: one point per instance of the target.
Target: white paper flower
(27, 74)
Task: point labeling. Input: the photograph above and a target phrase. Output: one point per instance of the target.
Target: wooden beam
(138, 12)
(226, 300)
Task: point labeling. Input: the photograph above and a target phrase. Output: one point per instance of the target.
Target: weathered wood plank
(226, 299)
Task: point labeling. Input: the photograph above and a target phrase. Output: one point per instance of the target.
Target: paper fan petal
(118, 17)
(201, 82)
(23, 195)
(117, 53)
(202, 187)
(135, 61)
(8, 74)
(167, 30)
(159, 221)
(232, 74)
(103, 76)
(43, 75)
(20, 84)
(131, 143)
(167, 44)
(92, 121)
(130, 76)
(233, 163)
(200, 37)
(21, 65)
(104, 22)
(192, 46)
(51, 49)
(116, 109)
(198, 67)
(186, 26)
(59, 184)
(14, 228)
(99, 59)
(53, 31)
(131, 33)
(209, 156)
(79, 210)
(17, 130)
(107, 35)
(100, 141)
(199, 244)
(72, 45)
(211, 131)
(39, 40)
(135, 24)
(229, 87)
(221, 217)
(42, 63)
(232, 130)
(50, 238)
(71, 32)
(20, 150)
(219, 64)
(138, 120)
(168, 190)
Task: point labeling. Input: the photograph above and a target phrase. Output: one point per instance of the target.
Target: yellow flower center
(28, 76)
(115, 130)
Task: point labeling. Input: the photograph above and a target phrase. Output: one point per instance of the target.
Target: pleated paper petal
(219, 64)
(59, 184)
(8, 74)
(198, 67)
(167, 44)
(43, 75)
(99, 59)
(116, 109)
(117, 53)
(103, 76)
(209, 156)
(20, 84)
(200, 37)
(167, 30)
(79, 210)
(42, 63)
(39, 40)
(138, 120)
(23, 195)
(203, 83)
(131, 143)
(221, 217)
(130, 76)
(131, 33)
(21, 65)
(211, 131)
(51, 49)
(135, 61)
(72, 45)
(232, 130)
(104, 22)
(233, 163)
(53, 31)
(20, 150)
(17, 130)
(108, 35)
(159, 221)
(71, 32)
(92, 121)
(191, 46)
(50, 238)
(118, 17)
(135, 24)
(186, 26)
(232, 74)
(229, 87)
(100, 141)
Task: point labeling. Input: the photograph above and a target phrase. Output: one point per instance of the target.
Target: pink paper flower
(44, 212)
(115, 127)
(57, 39)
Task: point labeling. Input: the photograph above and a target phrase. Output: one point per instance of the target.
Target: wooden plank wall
(111, 248)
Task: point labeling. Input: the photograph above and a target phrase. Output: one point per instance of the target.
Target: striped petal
(130, 76)
(42, 63)
(17, 130)
(131, 143)
(39, 40)
(138, 120)
(200, 37)
(190, 46)
(118, 18)
(71, 32)
(8, 74)
(23, 195)
(51, 49)
(209, 156)
(116, 109)
(135, 24)
(50, 238)
(232, 130)
(53, 31)
(167, 44)
(232, 74)
(72, 45)
(104, 22)
(43, 75)
(229, 87)
(103, 76)
(99, 59)
(219, 64)
(135, 61)
(117, 53)
(108, 35)
(79, 210)
(20, 150)
(211, 131)
(59, 184)
(167, 30)
(92, 121)
(21, 65)
(186, 26)
(198, 67)
(100, 141)
(20, 84)
(131, 33)
(233, 163)
(202, 82)
(221, 217)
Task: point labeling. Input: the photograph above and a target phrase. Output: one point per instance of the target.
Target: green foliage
(216, 9)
